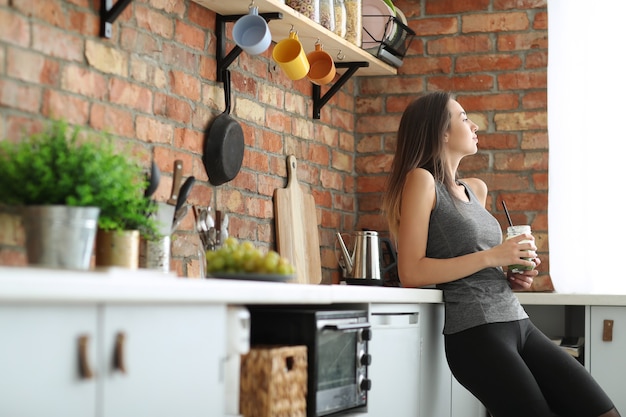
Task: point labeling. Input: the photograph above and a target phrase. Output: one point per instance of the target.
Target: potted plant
(67, 185)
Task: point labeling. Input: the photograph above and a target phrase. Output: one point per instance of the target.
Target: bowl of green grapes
(242, 260)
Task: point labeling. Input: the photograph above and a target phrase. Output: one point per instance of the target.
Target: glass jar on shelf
(340, 18)
(354, 21)
(327, 14)
(308, 8)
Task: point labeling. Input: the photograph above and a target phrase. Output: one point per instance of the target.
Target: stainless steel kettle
(363, 264)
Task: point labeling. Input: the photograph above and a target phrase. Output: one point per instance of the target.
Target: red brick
(455, 7)
(57, 43)
(535, 140)
(112, 119)
(523, 41)
(154, 22)
(482, 103)
(377, 124)
(519, 4)
(535, 100)
(484, 63)
(508, 161)
(459, 45)
(495, 22)
(521, 120)
(200, 15)
(130, 95)
(467, 83)
(477, 162)
(14, 29)
(178, 110)
(426, 65)
(435, 26)
(154, 131)
(523, 80)
(64, 106)
(537, 59)
(541, 181)
(84, 82)
(541, 21)
(84, 23)
(133, 40)
(48, 11)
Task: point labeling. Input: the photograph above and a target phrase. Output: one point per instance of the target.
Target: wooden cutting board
(297, 235)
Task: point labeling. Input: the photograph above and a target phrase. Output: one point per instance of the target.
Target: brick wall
(153, 85)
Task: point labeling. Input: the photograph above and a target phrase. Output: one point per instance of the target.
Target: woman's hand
(513, 251)
(523, 281)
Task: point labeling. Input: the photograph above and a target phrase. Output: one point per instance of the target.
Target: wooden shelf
(308, 32)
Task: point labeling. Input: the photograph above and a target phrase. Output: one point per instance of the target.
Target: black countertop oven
(337, 352)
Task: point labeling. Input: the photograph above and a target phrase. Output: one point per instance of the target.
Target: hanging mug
(252, 33)
(322, 69)
(289, 54)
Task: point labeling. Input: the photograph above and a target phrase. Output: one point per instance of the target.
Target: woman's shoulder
(422, 177)
(479, 188)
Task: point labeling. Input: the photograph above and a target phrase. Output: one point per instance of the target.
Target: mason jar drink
(513, 231)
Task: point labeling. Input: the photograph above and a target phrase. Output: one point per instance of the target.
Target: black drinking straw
(506, 211)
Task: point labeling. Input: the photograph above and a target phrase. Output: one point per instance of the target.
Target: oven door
(341, 364)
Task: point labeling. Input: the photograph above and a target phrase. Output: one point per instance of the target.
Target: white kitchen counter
(118, 285)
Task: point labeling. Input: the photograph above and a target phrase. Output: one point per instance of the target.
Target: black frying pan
(223, 143)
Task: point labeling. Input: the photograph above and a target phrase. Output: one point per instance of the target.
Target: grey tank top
(459, 228)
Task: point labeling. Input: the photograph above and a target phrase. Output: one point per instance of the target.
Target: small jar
(354, 21)
(340, 18)
(513, 231)
(327, 14)
(308, 8)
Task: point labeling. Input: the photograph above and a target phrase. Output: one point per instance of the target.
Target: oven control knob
(365, 360)
(365, 335)
(365, 384)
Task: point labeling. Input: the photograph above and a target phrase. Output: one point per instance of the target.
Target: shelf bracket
(108, 14)
(223, 59)
(319, 101)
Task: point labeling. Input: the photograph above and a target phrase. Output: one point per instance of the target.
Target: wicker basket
(273, 382)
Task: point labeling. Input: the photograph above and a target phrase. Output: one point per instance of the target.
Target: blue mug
(252, 33)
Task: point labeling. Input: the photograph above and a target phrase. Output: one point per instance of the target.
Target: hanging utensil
(185, 191)
(223, 143)
(153, 180)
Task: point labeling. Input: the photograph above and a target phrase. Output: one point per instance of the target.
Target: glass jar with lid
(340, 18)
(327, 14)
(354, 21)
(308, 8)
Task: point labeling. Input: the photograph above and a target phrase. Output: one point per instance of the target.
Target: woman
(445, 236)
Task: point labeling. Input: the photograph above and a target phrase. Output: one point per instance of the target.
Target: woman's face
(461, 135)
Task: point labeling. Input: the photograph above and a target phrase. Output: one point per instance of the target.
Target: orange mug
(322, 69)
(289, 54)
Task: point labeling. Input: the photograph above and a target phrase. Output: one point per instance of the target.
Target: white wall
(587, 139)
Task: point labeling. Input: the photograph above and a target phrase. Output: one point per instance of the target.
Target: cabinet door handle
(119, 358)
(607, 331)
(84, 368)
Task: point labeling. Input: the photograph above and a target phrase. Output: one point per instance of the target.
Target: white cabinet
(38, 361)
(396, 359)
(606, 357)
(439, 392)
(171, 356)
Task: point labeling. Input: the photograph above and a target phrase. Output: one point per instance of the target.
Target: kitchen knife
(176, 180)
(185, 190)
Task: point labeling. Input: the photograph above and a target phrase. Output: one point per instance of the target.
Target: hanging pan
(223, 143)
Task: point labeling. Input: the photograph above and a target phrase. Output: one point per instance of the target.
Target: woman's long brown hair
(419, 145)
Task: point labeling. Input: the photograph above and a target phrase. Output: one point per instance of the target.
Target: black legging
(516, 371)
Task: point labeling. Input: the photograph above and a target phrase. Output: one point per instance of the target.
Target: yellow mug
(322, 69)
(289, 54)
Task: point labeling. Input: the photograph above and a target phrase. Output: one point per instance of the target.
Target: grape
(243, 257)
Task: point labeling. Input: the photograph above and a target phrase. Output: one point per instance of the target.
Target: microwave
(337, 352)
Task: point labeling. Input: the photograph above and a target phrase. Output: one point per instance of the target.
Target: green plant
(58, 167)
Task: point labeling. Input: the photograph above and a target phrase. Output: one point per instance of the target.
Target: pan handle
(226, 78)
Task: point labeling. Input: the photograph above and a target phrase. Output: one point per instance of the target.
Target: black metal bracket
(108, 14)
(223, 59)
(319, 101)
